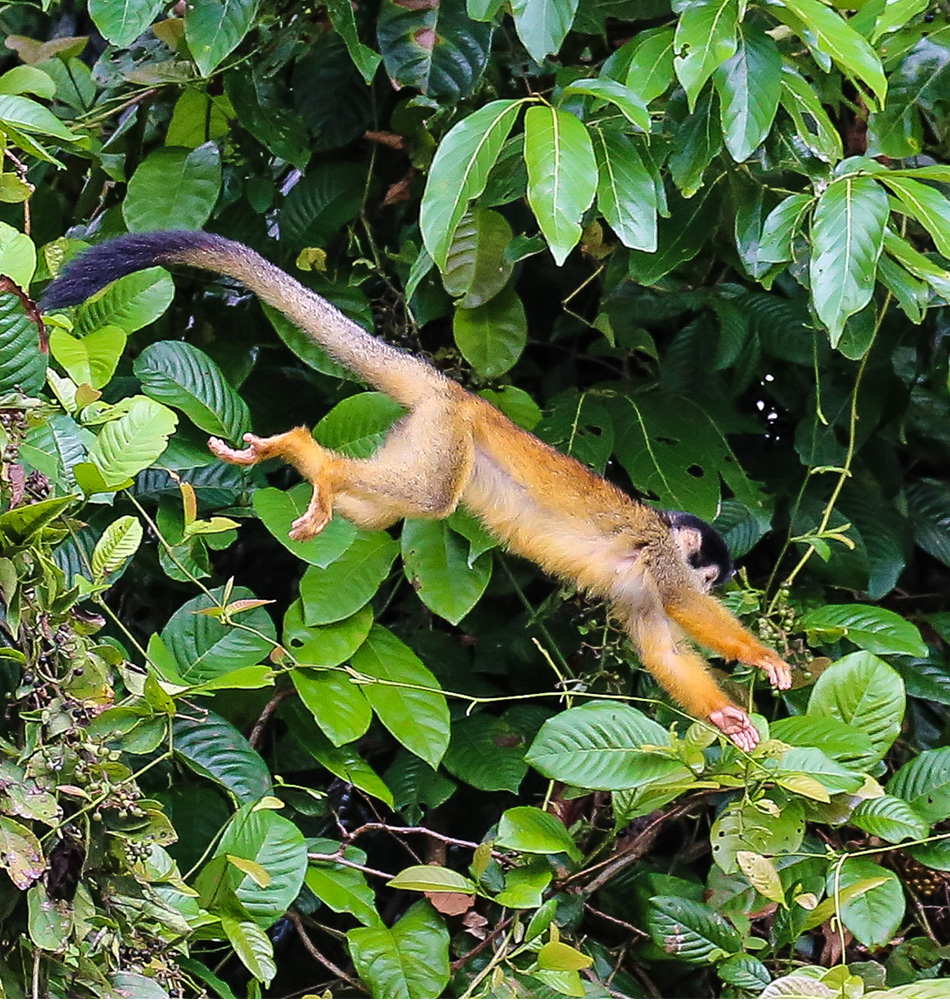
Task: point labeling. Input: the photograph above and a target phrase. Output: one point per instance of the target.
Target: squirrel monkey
(453, 447)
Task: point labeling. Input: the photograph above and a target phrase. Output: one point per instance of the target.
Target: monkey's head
(703, 548)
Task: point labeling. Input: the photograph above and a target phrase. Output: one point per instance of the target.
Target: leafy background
(702, 247)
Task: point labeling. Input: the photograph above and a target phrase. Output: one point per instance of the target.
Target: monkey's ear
(689, 540)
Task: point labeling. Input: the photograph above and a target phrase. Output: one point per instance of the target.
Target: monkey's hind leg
(310, 459)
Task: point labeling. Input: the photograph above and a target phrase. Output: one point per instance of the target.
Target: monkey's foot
(779, 672)
(251, 455)
(737, 726)
(313, 520)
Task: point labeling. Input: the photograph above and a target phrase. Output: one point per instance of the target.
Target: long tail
(402, 376)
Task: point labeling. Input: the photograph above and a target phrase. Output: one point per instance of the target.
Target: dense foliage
(703, 247)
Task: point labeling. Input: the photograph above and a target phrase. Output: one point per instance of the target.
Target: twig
(318, 956)
(422, 830)
(482, 945)
(340, 860)
(616, 920)
(258, 731)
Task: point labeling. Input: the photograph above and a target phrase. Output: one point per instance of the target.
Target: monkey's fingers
(737, 726)
(243, 456)
(311, 522)
(779, 672)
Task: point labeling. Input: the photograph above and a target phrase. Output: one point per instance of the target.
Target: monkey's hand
(254, 452)
(313, 520)
(736, 725)
(779, 672)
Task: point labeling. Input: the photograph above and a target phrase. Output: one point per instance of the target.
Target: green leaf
(831, 34)
(928, 502)
(20, 853)
(706, 36)
(213, 748)
(344, 762)
(92, 359)
(924, 784)
(925, 204)
(651, 63)
(27, 80)
(542, 25)
(344, 21)
(431, 878)
(781, 227)
(561, 957)
(119, 542)
(173, 187)
(251, 945)
(812, 124)
(492, 337)
(749, 86)
(874, 916)
(562, 175)
(410, 959)
(626, 194)
(533, 831)
(436, 49)
(814, 763)
(205, 647)
(25, 115)
(325, 645)
(890, 818)
(121, 22)
(17, 253)
(476, 267)
(129, 303)
(877, 630)
(627, 101)
(182, 376)
(863, 691)
(274, 844)
(20, 524)
(487, 753)
(131, 443)
(744, 971)
(320, 204)
(847, 236)
(344, 586)
(600, 745)
(213, 28)
(358, 425)
(48, 926)
(688, 930)
(409, 702)
(525, 886)
(23, 360)
(341, 887)
(336, 702)
(838, 740)
(744, 827)
(459, 172)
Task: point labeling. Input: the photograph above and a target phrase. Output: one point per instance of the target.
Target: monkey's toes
(308, 525)
(737, 726)
(242, 456)
(780, 673)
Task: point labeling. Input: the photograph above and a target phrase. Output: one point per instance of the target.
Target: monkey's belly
(572, 547)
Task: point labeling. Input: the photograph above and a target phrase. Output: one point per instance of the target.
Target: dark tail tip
(96, 267)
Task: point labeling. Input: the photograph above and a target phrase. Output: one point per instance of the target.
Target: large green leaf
(321, 203)
(324, 645)
(847, 238)
(336, 702)
(129, 303)
(213, 28)
(492, 336)
(877, 630)
(459, 172)
(928, 502)
(364, 58)
(705, 38)
(358, 425)
(92, 358)
(434, 48)
(924, 784)
(890, 818)
(562, 175)
(599, 745)
(626, 100)
(863, 691)
(874, 916)
(278, 509)
(131, 443)
(173, 188)
(529, 829)
(749, 86)
(925, 204)
(650, 71)
(276, 847)
(410, 959)
(407, 698)
(476, 267)
(182, 376)
(689, 931)
(812, 124)
(626, 194)
(543, 24)
(743, 826)
(340, 589)
(205, 648)
(213, 748)
(342, 888)
(120, 21)
(23, 358)
(436, 563)
(486, 753)
(17, 253)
